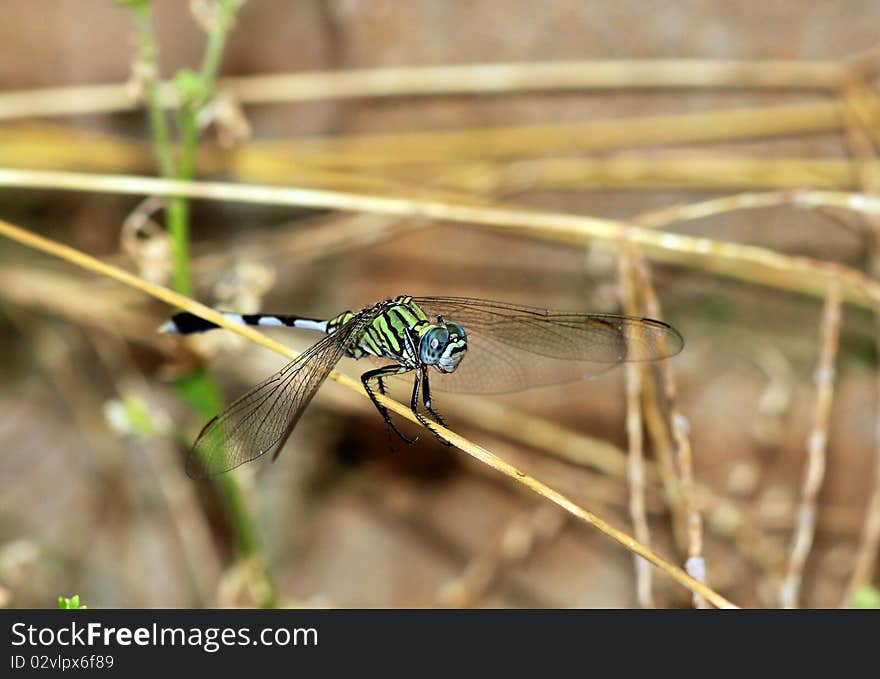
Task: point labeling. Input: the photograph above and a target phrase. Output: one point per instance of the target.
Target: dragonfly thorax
(442, 345)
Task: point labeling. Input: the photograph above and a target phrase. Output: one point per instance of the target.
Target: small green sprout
(70, 604)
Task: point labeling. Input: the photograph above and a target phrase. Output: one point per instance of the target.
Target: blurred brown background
(86, 509)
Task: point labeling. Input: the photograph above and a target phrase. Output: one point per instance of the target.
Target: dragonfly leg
(426, 398)
(378, 374)
(422, 379)
(389, 432)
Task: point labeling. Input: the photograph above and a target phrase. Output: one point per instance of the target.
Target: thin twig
(635, 437)
(801, 198)
(663, 447)
(742, 262)
(680, 429)
(174, 299)
(805, 523)
(439, 80)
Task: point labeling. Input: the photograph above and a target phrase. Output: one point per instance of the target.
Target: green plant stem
(147, 54)
(188, 130)
(198, 389)
(177, 212)
(217, 43)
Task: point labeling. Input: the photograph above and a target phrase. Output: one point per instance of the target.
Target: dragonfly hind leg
(379, 374)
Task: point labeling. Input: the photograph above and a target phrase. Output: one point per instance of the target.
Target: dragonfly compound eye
(433, 344)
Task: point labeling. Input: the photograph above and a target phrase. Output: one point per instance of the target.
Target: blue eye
(433, 344)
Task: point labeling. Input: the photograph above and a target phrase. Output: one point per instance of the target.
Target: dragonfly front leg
(422, 379)
(379, 374)
(426, 399)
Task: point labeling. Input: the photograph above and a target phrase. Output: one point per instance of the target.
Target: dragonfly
(456, 344)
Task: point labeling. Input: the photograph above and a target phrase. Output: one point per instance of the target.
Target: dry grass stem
(439, 80)
(413, 149)
(805, 520)
(742, 262)
(635, 436)
(57, 147)
(679, 428)
(672, 169)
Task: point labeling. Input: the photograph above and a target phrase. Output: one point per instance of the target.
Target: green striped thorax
(442, 345)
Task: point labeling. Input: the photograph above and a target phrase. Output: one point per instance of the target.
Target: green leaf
(137, 4)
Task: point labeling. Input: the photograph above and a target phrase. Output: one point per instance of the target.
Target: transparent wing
(262, 419)
(513, 347)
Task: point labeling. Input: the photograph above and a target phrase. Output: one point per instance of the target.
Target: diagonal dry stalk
(486, 457)
(805, 520)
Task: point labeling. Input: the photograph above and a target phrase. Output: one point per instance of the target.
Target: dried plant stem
(673, 169)
(95, 265)
(437, 80)
(664, 451)
(522, 77)
(679, 428)
(542, 434)
(801, 198)
(635, 437)
(741, 262)
(414, 149)
(805, 521)
(862, 141)
(59, 147)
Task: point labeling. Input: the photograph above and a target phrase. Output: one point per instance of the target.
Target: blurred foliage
(867, 597)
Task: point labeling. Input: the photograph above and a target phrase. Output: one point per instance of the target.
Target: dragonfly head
(443, 345)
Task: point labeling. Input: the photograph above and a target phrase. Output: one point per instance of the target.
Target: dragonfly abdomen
(185, 323)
